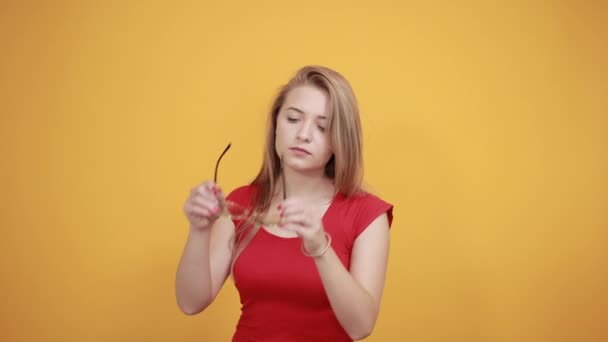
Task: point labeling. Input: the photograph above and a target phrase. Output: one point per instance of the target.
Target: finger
(291, 209)
(300, 232)
(219, 194)
(201, 188)
(205, 212)
(295, 219)
(207, 186)
(201, 201)
(204, 191)
(194, 209)
(205, 199)
(211, 206)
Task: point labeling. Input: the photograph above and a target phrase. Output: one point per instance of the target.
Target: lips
(299, 149)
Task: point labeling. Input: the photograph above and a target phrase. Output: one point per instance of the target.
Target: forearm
(354, 307)
(193, 280)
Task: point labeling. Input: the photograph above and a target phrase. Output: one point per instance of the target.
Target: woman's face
(301, 132)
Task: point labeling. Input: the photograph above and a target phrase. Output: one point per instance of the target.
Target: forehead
(310, 100)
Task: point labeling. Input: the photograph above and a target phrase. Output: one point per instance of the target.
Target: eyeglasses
(217, 164)
(238, 212)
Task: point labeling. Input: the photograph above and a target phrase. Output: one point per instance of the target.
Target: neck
(307, 185)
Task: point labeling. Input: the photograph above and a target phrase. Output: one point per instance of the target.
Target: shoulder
(365, 208)
(368, 203)
(243, 194)
(243, 190)
(363, 197)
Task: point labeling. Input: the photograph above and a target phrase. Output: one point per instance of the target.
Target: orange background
(485, 124)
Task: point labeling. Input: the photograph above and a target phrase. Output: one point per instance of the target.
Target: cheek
(327, 150)
(326, 144)
(278, 132)
(282, 129)
(278, 142)
(280, 137)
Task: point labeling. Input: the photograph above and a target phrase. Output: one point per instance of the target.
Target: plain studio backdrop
(485, 124)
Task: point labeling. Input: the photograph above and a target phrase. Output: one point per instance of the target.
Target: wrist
(197, 232)
(318, 249)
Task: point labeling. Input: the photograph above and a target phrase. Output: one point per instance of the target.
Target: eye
(321, 128)
(292, 120)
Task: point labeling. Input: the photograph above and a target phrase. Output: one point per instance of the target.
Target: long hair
(345, 167)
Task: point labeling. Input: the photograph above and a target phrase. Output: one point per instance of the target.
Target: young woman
(307, 247)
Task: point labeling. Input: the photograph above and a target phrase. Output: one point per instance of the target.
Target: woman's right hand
(204, 205)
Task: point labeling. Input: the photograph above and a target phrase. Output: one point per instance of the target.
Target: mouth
(299, 149)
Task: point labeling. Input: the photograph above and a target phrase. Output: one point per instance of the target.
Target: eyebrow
(323, 117)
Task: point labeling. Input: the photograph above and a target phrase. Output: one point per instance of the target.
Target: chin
(303, 166)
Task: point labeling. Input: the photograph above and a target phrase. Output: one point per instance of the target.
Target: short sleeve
(241, 195)
(369, 208)
(239, 201)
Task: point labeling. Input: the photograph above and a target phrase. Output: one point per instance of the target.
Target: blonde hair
(345, 167)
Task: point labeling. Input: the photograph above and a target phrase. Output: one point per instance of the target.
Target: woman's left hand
(305, 221)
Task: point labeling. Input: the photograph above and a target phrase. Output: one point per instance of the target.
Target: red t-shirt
(281, 293)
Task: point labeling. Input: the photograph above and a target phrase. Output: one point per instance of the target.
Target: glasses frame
(226, 204)
(217, 163)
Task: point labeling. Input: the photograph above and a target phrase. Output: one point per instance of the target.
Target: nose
(304, 132)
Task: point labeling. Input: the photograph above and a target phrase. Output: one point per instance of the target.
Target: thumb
(219, 194)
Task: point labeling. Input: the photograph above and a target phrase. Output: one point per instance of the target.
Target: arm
(355, 296)
(192, 283)
(205, 261)
(204, 266)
